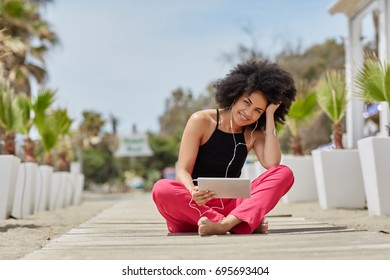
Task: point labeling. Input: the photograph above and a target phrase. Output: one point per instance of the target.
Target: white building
(356, 12)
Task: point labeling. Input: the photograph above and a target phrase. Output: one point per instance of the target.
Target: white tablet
(226, 187)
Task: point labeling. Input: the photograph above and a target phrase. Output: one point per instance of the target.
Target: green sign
(135, 145)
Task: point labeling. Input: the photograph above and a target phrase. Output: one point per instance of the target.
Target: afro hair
(275, 83)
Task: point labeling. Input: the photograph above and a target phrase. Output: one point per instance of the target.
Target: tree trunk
(48, 159)
(338, 135)
(296, 146)
(29, 148)
(63, 163)
(9, 144)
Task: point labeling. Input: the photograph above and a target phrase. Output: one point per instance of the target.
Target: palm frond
(37, 72)
(39, 52)
(9, 111)
(332, 95)
(370, 81)
(48, 138)
(41, 107)
(15, 45)
(386, 82)
(43, 102)
(51, 124)
(61, 121)
(303, 108)
(26, 121)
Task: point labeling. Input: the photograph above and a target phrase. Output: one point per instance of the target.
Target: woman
(215, 143)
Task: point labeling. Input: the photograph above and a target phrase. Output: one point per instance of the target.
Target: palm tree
(303, 108)
(20, 19)
(90, 127)
(332, 97)
(373, 80)
(8, 46)
(9, 118)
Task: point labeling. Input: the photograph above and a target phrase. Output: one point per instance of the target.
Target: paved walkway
(133, 229)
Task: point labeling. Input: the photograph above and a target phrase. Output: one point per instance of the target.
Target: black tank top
(214, 156)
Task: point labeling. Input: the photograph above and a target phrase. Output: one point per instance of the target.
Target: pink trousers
(174, 202)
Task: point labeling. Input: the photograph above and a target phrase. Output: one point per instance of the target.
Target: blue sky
(125, 57)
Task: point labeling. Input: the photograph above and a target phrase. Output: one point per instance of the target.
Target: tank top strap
(217, 119)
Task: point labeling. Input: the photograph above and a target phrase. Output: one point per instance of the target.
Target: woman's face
(248, 108)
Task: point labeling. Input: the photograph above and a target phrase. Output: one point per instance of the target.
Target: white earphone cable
(227, 168)
(235, 142)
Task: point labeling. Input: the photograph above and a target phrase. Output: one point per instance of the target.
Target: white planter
(9, 167)
(375, 164)
(339, 179)
(78, 183)
(252, 170)
(45, 172)
(75, 167)
(68, 188)
(57, 190)
(304, 188)
(24, 198)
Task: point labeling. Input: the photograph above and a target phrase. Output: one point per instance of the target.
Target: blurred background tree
(30, 38)
(25, 39)
(306, 68)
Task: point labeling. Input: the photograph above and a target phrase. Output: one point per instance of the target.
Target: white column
(354, 60)
(384, 56)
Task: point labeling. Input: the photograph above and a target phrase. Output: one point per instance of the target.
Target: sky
(125, 57)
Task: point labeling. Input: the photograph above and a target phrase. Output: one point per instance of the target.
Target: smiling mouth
(243, 117)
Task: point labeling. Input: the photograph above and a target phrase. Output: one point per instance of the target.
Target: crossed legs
(240, 216)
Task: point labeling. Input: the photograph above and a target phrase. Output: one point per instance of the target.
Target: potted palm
(41, 107)
(9, 163)
(25, 190)
(304, 188)
(63, 166)
(373, 81)
(338, 173)
(75, 146)
(52, 127)
(25, 125)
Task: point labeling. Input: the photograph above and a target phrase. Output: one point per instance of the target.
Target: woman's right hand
(201, 197)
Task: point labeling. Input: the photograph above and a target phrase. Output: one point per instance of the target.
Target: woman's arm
(189, 147)
(267, 146)
(192, 138)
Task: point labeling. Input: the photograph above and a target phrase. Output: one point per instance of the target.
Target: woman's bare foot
(207, 227)
(263, 227)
